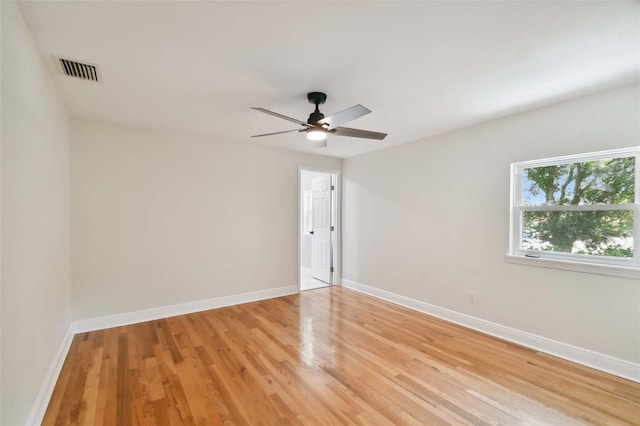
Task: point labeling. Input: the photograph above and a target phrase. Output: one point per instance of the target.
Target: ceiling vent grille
(79, 70)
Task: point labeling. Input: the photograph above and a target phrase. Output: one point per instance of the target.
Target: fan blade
(284, 117)
(344, 116)
(357, 133)
(279, 133)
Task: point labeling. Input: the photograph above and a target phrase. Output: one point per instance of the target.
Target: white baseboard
(127, 318)
(616, 366)
(42, 400)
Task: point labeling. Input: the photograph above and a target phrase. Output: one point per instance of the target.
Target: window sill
(616, 271)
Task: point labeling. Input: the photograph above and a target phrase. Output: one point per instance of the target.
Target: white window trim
(627, 268)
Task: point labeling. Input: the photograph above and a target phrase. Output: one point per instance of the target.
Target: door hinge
(331, 269)
(332, 228)
(333, 187)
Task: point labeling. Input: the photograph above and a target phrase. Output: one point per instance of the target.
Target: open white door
(321, 250)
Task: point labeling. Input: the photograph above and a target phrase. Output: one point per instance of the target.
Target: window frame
(625, 267)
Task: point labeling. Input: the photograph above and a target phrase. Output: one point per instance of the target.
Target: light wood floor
(326, 356)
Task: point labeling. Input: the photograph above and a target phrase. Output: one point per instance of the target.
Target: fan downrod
(316, 98)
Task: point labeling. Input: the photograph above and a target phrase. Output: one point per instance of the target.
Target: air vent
(79, 70)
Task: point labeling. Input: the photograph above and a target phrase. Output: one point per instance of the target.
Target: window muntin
(580, 208)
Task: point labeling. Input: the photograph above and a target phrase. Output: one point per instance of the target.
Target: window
(579, 212)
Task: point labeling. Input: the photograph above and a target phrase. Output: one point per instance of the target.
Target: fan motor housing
(314, 117)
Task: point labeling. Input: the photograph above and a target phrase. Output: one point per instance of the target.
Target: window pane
(605, 181)
(600, 233)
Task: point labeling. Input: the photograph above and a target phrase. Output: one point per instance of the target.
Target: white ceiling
(423, 68)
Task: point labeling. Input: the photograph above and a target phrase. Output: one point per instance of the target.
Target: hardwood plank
(124, 396)
(325, 356)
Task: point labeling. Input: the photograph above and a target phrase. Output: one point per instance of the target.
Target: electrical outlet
(473, 297)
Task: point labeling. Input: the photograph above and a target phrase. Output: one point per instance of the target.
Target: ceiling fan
(318, 126)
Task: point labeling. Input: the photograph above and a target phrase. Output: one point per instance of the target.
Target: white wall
(36, 300)
(160, 218)
(429, 220)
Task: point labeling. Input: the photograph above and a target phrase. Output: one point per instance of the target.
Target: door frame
(336, 216)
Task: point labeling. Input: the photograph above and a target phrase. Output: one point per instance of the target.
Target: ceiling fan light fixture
(317, 126)
(316, 134)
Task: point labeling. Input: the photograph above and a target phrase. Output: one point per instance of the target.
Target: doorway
(318, 228)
